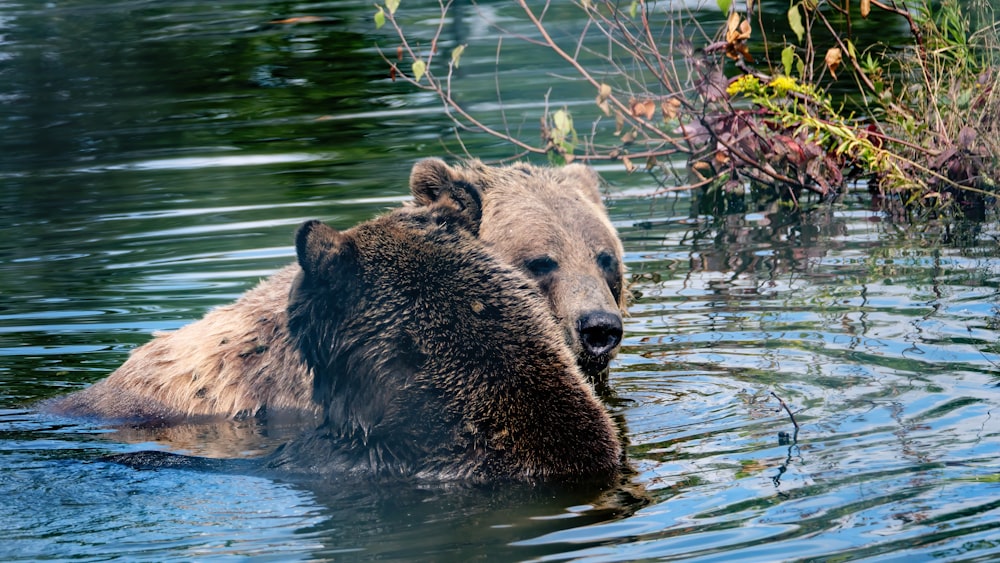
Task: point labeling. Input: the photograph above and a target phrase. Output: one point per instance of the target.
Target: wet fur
(433, 360)
(238, 361)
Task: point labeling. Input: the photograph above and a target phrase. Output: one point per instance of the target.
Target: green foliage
(923, 124)
(795, 22)
(562, 137)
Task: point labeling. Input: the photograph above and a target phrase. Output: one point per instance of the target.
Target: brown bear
(237, 361)
(551, 224)
(432, 359)
(439, 358)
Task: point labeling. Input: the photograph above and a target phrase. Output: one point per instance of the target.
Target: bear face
(551, 224)
(434, 359)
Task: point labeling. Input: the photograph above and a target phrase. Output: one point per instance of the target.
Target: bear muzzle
(600, 333)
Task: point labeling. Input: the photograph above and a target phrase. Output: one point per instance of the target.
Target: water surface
(156, 159)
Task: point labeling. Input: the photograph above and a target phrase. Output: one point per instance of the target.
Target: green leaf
(632, 9)
(787, 58)
(379, 18)
(456, 55)
(392, 5)
(724, 5)
(419, 67)
(852, 50)
(795, 20)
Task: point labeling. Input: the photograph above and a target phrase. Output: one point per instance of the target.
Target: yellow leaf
(419, 67)
(562, 121)
(393, 5)
(795, 22)
(456, 55)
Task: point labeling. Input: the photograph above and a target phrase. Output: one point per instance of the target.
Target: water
(155, 162)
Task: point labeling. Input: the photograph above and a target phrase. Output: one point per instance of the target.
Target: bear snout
(600, 332)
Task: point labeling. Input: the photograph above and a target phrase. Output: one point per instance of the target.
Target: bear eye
(607, 262)
(541, 266)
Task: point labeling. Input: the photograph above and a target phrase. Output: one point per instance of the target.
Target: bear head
(551, 224)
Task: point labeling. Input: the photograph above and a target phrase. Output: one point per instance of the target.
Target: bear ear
(586, 179)
(428, 177)
(316, 244)
(465, 200)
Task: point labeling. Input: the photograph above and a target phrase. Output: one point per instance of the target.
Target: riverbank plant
(767, 110)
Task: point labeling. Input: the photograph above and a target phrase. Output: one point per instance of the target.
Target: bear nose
(600, 332)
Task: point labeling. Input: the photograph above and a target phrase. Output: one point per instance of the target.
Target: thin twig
(788, 410)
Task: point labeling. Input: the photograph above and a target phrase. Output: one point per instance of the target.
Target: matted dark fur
(433, 360)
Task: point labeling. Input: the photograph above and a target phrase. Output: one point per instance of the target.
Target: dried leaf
(643, 108)
(670, 108)
(629, 137)
(737, 33)
(966, 137)
(603, 92)
(833, 59)
(866, 8)
(619, 122)
(732, 26)
(713, 83)
(629, 167)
